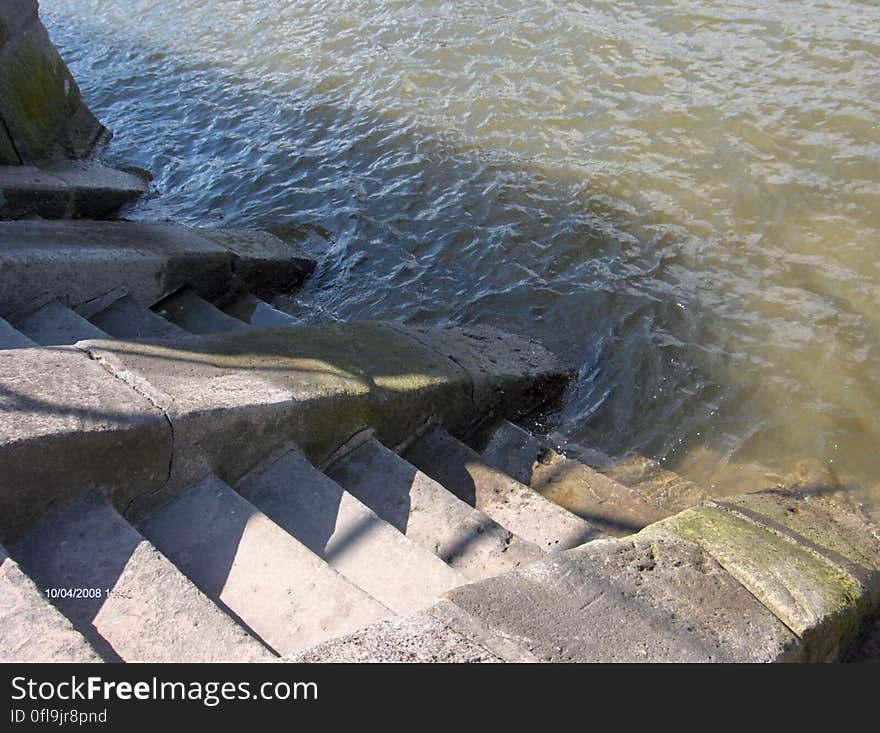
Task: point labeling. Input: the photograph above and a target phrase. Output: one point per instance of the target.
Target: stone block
(68, 427)
(637, 599)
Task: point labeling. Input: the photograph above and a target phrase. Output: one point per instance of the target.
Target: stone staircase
(435, 554)
(46, 321)
(188, 475)
(290, 558)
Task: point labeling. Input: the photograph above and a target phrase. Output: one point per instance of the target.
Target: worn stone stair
(429, 514)
(146, 610)
(348, 535)
(767, 577)
(66, 189)
(256, 312)
(31, 628)
(46, 321)
(510, 503)
(81, 261)
(239, 557)
(127, 319)
(12, 338)
(605, 503)
(660, 486)
(247, 550)
(54, 324)
(195, 314)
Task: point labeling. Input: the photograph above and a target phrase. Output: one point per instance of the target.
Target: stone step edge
(392, 637)
(827, 634)
(866, 577)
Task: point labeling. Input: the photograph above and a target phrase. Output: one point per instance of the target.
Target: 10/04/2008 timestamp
(77, 592)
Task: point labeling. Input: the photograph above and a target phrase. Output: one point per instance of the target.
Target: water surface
(681, 198)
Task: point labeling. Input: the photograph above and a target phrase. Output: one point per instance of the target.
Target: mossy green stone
(37, 93)
(821, 520)
(804, 590)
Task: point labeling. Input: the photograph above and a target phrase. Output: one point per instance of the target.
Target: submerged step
(427, 513)
(195, 314)
(54, 324)
(663, 488)
(127, 319)
(605, 503)
(349, 535)
(31, 628)
(283, 591)
(255, 312)
(11, 338)
(127, 599)
(510, 503)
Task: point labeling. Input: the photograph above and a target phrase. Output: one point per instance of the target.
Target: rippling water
(682, 198)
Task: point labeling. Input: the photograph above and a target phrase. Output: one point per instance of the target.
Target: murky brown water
(682, 198)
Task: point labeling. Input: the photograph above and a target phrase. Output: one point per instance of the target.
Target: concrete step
(348, 535)
(145, 610)
(195, 314)
(54, 324)
(440, 633)
(605, 503)
(66, 189)
(78, 261)
(255, 312)
(428, 514)
(238, 556)
(509, 502)
(31, 628)
(10, 338)
(127, 319)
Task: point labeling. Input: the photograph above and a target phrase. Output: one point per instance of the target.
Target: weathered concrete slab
(268, 264)
(629, 600)
(193, 313)
(78, 261)
(146, 610)
(55, 324)
(31, 628)
(127, 319)
(511, 375)
(236, 555)
(466, 538)
(311, 386)
(432, 636)
(40, 103)
(81, 260)
(606, 504)
(348, 535)
(68, 427)
(817, 599)
(513, 505)
(10, 338)
(64, 190)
